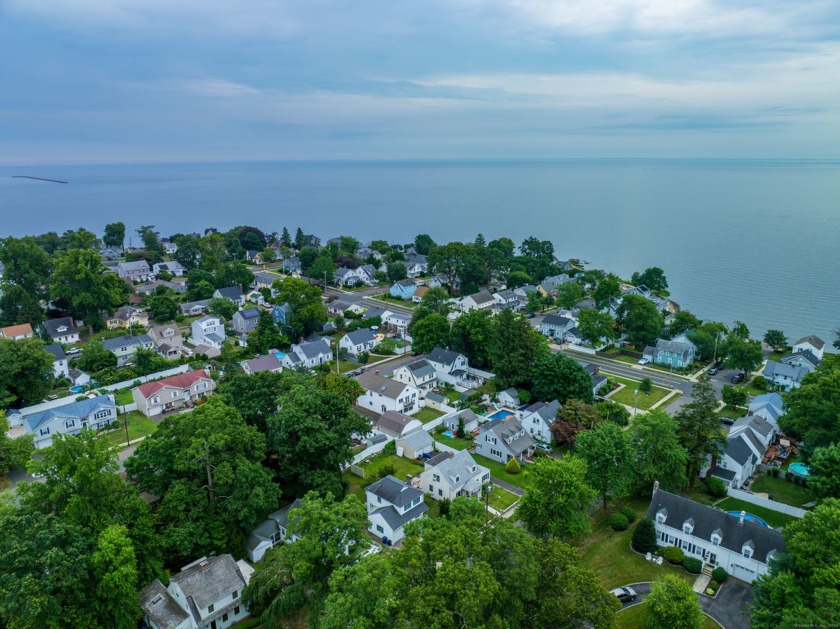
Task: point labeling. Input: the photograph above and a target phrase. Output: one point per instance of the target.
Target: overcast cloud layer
(158, 80)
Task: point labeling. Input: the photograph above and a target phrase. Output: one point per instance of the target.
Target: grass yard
(138, 426)
(733, 413)
(434, 506)
(344, 366)
(497, 470)
(791, 459)
(427, 414)
(608, 554)
(773, 518)
(402, 466)
(454, 442)
(452, 395)
(501, 499)
(627, 395)
(123, 397)
(634, 617)
(783, 490)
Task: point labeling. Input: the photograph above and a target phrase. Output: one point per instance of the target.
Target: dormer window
(661, 516)
(716, 539)
(688, 526)
(747, 552)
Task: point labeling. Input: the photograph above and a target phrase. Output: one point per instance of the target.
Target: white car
(644, 361)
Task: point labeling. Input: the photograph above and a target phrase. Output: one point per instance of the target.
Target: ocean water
(755, 241)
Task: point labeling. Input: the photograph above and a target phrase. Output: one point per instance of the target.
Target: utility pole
(636, 403)
(325, 281)
(125, 423)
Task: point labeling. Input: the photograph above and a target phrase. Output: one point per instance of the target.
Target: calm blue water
(754, 241)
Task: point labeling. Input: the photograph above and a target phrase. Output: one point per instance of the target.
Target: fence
(142, 379)
(582, 349)
(358, 471)
(621, 352)
(444, 448)
(764, 502)
(370, 451)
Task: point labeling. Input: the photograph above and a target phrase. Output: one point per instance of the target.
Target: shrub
(715, 487)
(719, 574)
(710, 591)
(692, 565)
(760, 382)
(673, 554)
(629, 513)
(714, 585)
(644, 536)
(513, 467)
(618, 522)
(384, 471)
(390, 448)
(440, 429)
(444, 507)
(774, 472)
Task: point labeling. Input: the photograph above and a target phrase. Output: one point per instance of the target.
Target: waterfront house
(678, 352)
(208, 331)
(538, 418)
(419, 373)
(784, 376)
(503, 440)
(137, 271)
(385, 394)
(124, 347)
(272, 531)
(233, 293)
(358, 341)
(813, 344)
(769, 406)
(17, 332)
(60, 368)
(160, 396)
(95, 413)
(447, 476)
(245, 321)
(61, 330)
(404, 289)
(269, 362)
(126, 317)
(805, 359)
(741, 547)
(391, 504)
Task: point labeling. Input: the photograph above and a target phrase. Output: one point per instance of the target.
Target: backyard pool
(502, 414)
(448, 433)
(799, 468)
(76, 389)
(749, 517)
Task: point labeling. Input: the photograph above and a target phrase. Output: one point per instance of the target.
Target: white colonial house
(450, 366)
(307, 354)
(741, 547)
(358, 341)
(60, 366)
(813, 344)
(538, 418)
(420, 374)
(447, 476)
(61, 330)
(396, 322)
(208, 330)
(503, 440)
(364, 274)
(391, 504)
(481, 300)
(45, 423)
(386, 394)
(453, 420)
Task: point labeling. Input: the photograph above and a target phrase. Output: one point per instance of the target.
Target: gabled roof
(546, 412)
(739, 450)
(52, 325)
(360, 336)
(460, 466)
(806, 355)
(160, 606)
(510, 429)
(231, 292)
(139, 265)
(794, 372)
(812, 340)
(16, 330)
(56, 350)
(443, 356)
(209, 580)
(313, 349)
(481, 297)
(395, 491)
(557, 321)
(674, 347)
(395, 424)
(126, 341)
(421, 368)
(248, 313)
(388, 387)
(181, 381)
(269, 362)
(406, 284)
(418, 440)
(83, 408)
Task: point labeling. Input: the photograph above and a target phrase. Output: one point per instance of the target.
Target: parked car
(738, 377)
(624, 594)
(544, 447)
(644, 361)
(531, 315)
(727, 421)
(712, 371)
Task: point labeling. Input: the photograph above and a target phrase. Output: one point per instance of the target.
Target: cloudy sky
(93, 81)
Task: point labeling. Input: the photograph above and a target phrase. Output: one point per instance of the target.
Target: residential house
(503, 440)
(509, 397)
(17, 332)
(264, 280)
(280, 314)
(784, 376)
(357, 341)
(272, 531)
(206, 594)
(194, 308)
(385, 394)
(308, 353)
(419, 292)
(481, 300)
(391, 504)
(448, 476)
(396, 425)
(507, 299)
(404, 289)
(208, 330)
(269, 362)
(167, 340)
(61, 330)
(124, 347)
(340, 306)
(173, 268)
(95, 413)
(126, 317)
(416, 265)
(453, 421)
(291, 266)
(372, 313)
(738, 461)
(395, 321)
(538, 418)
(451, 367)
(813, 344)
(548, 287)
(805, 359)
(137, 271)
(769, 406)
(678, 352)
(415, 444)
(555, 326)
(161, 396)
(364, 274)
(233, 293)
(659, 301)
(176, 285)
(419, 373)
(763, 430)
(245, 321)
(60, 368)
(169, 247)
(368, 274)
(741, 547)
(111, 253)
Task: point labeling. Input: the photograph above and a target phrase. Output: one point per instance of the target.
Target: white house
(741, 547)
(509, 397)
(175, 268)
(208, 330)
(447, 476)
(17, 332)
(206, 594)
(271, 532)
(481, 300)
(769, 406)
(453, 421)
(269, 362)
(414, 444)
(386, 394)
(538, 418)
(364, 274)
(736, 465)
(137, 271)
(124, 347)
(503, 440)
(391, 504)
(420, 374)
(95, 413)
(397, 425)
(309, 353)
(555, 326)
(60, 368)
(813, 344)
(358, 341)
(784, 376)
(396, 322)
(449, 366)
(233, 293)
(61, 330)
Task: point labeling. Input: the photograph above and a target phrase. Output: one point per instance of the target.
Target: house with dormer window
(538, 418)
(95, 413)
(124, 347)
(61, 330)
(503, 440)
(447, 476)
(742, 547)
(391, 504)
(386, 394)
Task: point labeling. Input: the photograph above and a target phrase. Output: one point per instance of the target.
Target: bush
(644, 536)
(513, 467)
(441, 429)
(673, 555)
(692, 565)
(719, 574)
(714, 585)
(444, 507)
(774, 472)
(760, 382)
(618, 522)
(710, 591)
(384, 471)
(715, 487)
(629, 513)
(390, 448)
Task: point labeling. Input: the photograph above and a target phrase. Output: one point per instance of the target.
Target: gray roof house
(414, 444)
(94, 413)
(396, 424)
(138, 271)
(784, 376)
(419, 373)
(194, 308)
(269, 362)
(477, 301)
(234, 293)
(391, 504)
(813, 344)
(61, 330)
(357, 341)
(124, 347)
(769, 406)
(503, 440)
(60, 368)
(555, 327)
(386, 394)
(538, 418)
(271, 532)
(447, 476)
(245, 321)
(454, 420)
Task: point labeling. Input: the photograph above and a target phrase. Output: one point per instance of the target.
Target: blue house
(404, 289)
(280, 314)
(679, 352)
(291, 265)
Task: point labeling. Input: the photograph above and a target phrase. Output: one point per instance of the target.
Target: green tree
(640, 319)
(151, 243)
(94, 357)
(558, 377)
(268, 256)
(78, 283)
(813, 410)
(516, 279)
(332, 537)
(162, 308)
(734, 396)
(516, 345)
(744, 354)
(207, 467)
(26, 373)
(569, 294)
(26, 271)
(423, 244)
(709, 339)
(286, 238)
(613, 412)
(234, 274)
(646, 386)
(323, 264)
(824, 464)
(472, 336)
(189, 251)
(114, 234)
(606, 450)
(657, 452)
(557, 499)
(672, 603)
(266, 336)
(79, 239)
(644, 536)
(682, 322)
(596, 327)
(397, 272)
(434, 301)
(255, 396)
(776, 339)
(653, 277)
(148, 361)
(308, 312)
(114, 567)
(608, 288)
(431, 332)
(300, 239)
(14, 451)
(698, 427)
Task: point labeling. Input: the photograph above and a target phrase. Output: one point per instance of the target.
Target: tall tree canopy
(698, 427)
(813, 410)
(558, 377)
(658, 454)
(26, 373)
(653, 277)
(430, 332)
(78, 284)
(515, 346)
(27, 268)
(609, 459)
(672, 603)
(114, 234)
(307, 309)
(640, 319)
(472, 335)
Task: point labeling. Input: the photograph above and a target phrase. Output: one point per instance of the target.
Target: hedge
(692, 565)
(719, 574)
(629, 513)
(673, 554)
(618, 522)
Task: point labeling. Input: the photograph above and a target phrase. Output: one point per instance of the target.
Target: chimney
(741, 519)
(655, 486)
(203, 565)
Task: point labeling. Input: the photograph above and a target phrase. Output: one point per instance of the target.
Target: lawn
(634, 617)
(501, 499)
(138, 426)
(434, 507)
(397, 302)
(452, 395)
(402, 466)
(497, 470)
(733, 413)
(344, 366)
(427, 414)
(123, 397)
(783, 490)
(627, 395)
(608, 554)
(773, 518)
(454, 442)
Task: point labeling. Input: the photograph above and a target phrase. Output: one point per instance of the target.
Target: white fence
(582, 349)
(444, 448)
(764, 502)
(370, 451)
(152, 376)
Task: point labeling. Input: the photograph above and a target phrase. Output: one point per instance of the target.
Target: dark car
(712, 371)
(738, 377)
(624, 594)
(531, 315)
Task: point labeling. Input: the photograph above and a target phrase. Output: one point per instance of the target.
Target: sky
(102, 81)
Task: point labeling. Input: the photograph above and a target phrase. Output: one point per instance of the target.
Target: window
(156, 400)
(236, 610)
(224, 617)
(44, 431)
(379, 500)
(379, 529)
(431, 487)
(440, 492)
(234, 594)
(715, 540)
(495, 453)
(747, 552)
(436, 478)
(176, 394)
(102, 414)
(210, 609)
(70, 423)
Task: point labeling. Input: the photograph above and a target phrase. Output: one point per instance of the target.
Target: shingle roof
(207, 585)
(139, 265)
(722, 473)
(773, 369)
(546, 412)
(16, 330)
(56, 350)
(181, 381)
(126, 341)
(82, 408)
(231, 292)
(813, 340)
(160, 606)
(674, 347)
(360, 336)
(421, 368)
(394, 423)
(52, 325)
(418, 440)
(269, 362)
(395, 519)
(805, 354)
(388, 387)
(739, 450)
(460, 466)
(555, 320)
(313, 349)
(407, 283)
(509, 429)
(482, 297)
(443, 356)
(395, 491)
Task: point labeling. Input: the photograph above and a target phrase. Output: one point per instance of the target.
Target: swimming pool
(448, 433)
(749, 517)
(501, 414)
(76, 389)
(799, 468)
